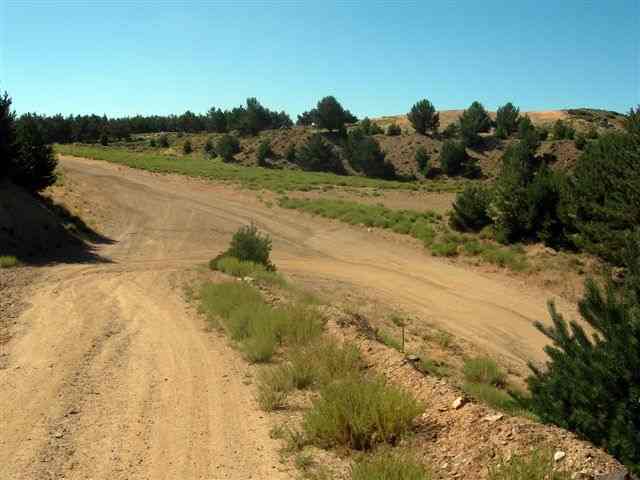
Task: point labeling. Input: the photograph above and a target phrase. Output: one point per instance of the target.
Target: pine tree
(591, 384)
(472, 122)
(329, 114)
(7, 134)
(507, 118)
(423, 117)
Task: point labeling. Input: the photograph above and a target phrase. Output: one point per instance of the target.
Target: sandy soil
(115, 377)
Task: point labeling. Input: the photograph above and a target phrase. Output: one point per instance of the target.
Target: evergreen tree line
(247, 119)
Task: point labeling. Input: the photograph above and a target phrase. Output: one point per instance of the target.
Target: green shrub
(505, 257)
(454, 160)
(369, 128)
(538, 465)
(471, 209)
(484, 370)
(227, 147)
(187, 148)
(220, 299)
(319, 156)
(422, 159)
(507, 118)
(290, 153)
(451, 131)
(152, 142)
(8, 261)
(423, 117)
(359, 414)
(301, 324)
(241, 269)
(393, 130)
(208, 148)
(389, 340)
(562, 130)
(447, 249)
(247, 244)
(263, 153)
(322, 362)
(495, 398)
(580, 141)
(386, 465)
(472, 122)
(104, 140)
(163, 141)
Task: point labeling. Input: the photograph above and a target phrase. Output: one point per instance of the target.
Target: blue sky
(377, 58)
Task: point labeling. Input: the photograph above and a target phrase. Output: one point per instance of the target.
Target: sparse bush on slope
(393, 130)
(187, 148)
(386, 465)
(539, 465)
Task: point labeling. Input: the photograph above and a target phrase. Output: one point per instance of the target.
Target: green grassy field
(197, 165)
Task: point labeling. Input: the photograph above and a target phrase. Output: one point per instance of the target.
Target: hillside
(400, 150)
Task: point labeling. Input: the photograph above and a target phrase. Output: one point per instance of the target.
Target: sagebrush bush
(187, 148)
(359, 414)
(163, 141)
(369, 128)
(273, 386)
(386, 465)
(484, 370)
(153, 143)
(393, 130)
(538, 465)
(444, 249)
(238, 268)
(220, 299)
(470, 210)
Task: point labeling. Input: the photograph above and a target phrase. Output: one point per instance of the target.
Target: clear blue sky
(377, 58)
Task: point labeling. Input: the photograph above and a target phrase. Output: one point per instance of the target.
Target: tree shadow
(37, 231)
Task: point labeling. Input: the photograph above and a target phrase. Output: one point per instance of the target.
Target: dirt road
(113, 376)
